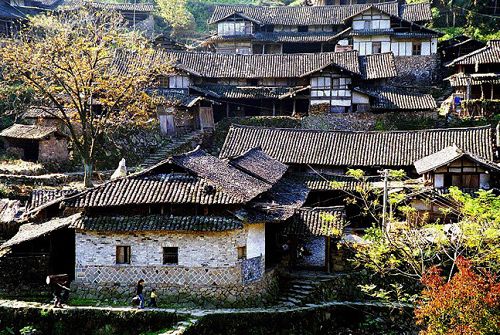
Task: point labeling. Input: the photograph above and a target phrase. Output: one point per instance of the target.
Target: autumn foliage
(468, 304)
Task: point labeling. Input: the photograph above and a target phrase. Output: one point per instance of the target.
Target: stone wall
(23, 274)
(417, 70)
(181, 287)
(208, 268)
(363, 121)
(53, 150)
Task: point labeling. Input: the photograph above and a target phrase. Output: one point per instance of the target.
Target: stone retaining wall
(361, 121)
(23, 275)
(417, 70)
(255, 293)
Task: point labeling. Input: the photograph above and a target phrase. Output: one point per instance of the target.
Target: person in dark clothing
(140, 289)
(60, 289)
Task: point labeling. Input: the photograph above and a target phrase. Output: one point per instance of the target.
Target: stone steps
(181, 327)
(300, 287)
(167, 150)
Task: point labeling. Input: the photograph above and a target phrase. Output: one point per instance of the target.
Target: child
(152, 301)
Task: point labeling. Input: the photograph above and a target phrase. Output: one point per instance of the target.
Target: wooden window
(170, 255)
(163, 81)
(231, 28)
(178, 82)
(123, 254)
(416, 49)
(376, 47)
(470, 180)
(242, 252)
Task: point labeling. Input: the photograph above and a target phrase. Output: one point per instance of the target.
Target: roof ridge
(360, 131)
(475, 52)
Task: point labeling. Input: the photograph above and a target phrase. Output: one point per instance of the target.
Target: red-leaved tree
(469, 304)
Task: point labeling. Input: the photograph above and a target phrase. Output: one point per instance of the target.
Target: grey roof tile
(350, 148)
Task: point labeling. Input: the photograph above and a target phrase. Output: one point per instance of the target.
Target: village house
(322, 158)
(368, 28)
(451, 166)
(332, 152)
(195, 227)
(458, 46)
(476, 81)
(289, 84)
(43, 138)
(15, 12)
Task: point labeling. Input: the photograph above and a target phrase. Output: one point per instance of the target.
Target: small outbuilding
(36, 143)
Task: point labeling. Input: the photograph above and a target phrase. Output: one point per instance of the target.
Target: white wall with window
(371, 19)
(285, 28)
(234, 27)
(321, 28)
(179, 82)
(369, 45)
(420, 47)
(332, 89)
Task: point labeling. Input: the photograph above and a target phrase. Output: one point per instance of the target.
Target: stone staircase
(181, 327)
(171, 148)
(301, 286)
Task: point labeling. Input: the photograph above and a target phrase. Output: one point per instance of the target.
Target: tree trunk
(88, 169)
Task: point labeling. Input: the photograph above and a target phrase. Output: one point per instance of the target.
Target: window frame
(416, 48)
(170, 254)
(241, 252)
(377, 44)
(127, 254)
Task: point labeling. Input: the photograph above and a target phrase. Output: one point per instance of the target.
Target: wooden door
(206, 117)
(167, 124)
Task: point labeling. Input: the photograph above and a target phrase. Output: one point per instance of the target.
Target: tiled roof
(306, 15)
(416, 12)
(369, 32)
(257, 163)
(9, 12)
(214, 65)
(41, 196)
(35, 112)
(326, 182)
(489, 54)
(176, 98)
(224, 175)
(118, 6)
(31, 231)
(448, 155)
(349, 148)
(391, 98)
(319, 221)
(474, 79)
(174, 188)
(378, 66)
(156, 223)
(277, 37)
(409, 34)
(205, 180)
(18, 12)
(243, 92)
(28, 132)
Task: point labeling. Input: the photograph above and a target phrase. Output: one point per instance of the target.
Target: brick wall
(208, 268)
(53, 150)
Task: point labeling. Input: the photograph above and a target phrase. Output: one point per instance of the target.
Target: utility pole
(385, 224)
